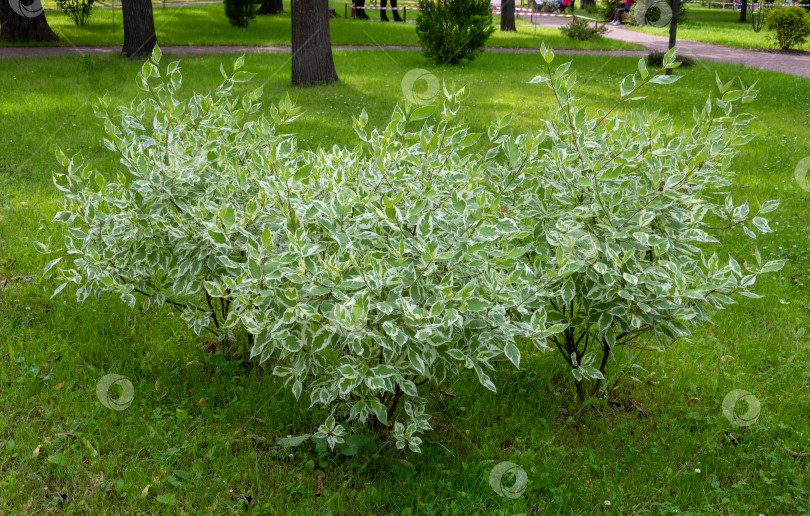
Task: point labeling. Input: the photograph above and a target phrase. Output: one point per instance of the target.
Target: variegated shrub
(367, 276)
(622, 205)
(364, 276)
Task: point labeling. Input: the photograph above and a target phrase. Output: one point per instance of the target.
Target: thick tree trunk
(312, 61)
(508, 15)
(139, 28)
(743, 10)
(25, 22)
(270, 7)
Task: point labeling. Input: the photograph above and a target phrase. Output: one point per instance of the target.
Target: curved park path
(795, 64)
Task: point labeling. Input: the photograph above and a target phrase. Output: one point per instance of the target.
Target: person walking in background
(383, 16)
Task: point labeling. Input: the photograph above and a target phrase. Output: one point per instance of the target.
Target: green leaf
(343, 241)
(642, 68)
(664, 79)
(63, 216)
(218, 237)
(380, 411)
(512, 353)
(384, 371)
(568, 291)
(422, 112)
(669, 57)
(291, 442)
(773, 266)
(769, 206)
(255, 269)
(267, 239)
(243, 76)
(40, 247)
(409, 388)
(228, 217)
(476, 304)
(627, 86)
(484, 378)
(296, 389)
(50, 265)
(469, 140)
(605, 320)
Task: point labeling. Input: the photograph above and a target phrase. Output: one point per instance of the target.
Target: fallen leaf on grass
(320, 486)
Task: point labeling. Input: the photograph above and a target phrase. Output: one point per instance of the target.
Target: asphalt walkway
(793, 63)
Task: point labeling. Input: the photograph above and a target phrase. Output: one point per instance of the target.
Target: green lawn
(207, 25)
(715, 25)
(199, 437)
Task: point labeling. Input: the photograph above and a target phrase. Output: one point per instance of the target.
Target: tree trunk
(508, 15)
(139, 28)
(743, 10)
(270, 7)
(25, 22)
(673, 28)
(584, 3)
(312, 61)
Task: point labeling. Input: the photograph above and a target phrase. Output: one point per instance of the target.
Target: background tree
(139, 28)
(743, 10)
(271, 7)
(312, 61)
(508, 15)
(15, 27)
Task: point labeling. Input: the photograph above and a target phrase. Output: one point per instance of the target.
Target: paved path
(210, 49)
(796, 64)
(155, 3)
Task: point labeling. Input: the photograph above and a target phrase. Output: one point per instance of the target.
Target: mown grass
(200, 434)
(718, 26)
(207, 25)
